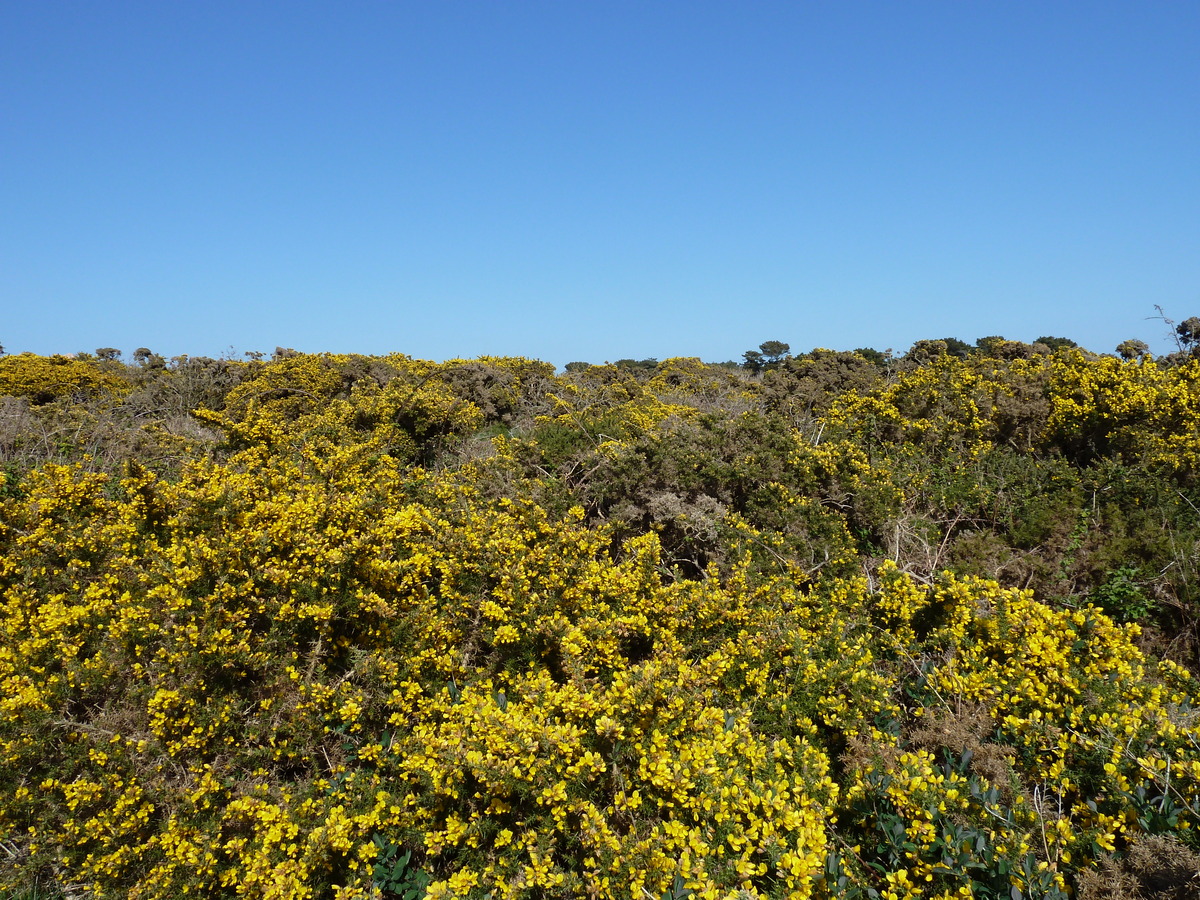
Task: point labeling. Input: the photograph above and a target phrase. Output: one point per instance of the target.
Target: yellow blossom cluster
(46, 378)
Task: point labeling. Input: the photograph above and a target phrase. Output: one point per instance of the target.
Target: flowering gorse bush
(403, 632)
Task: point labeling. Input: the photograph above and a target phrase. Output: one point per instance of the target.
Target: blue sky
(590, 181)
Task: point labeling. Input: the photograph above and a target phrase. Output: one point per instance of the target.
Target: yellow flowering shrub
(1131, 409)
(310, 666)
(46, 378)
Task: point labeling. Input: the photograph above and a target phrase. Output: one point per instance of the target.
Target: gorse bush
(377, 627)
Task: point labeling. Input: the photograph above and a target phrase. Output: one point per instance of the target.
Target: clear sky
(575, 180)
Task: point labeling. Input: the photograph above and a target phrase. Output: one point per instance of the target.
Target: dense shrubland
(827, 625)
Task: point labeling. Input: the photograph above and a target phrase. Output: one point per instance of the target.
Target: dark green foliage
(1189, 331)
(752, 361)
(677, 891)
(873, 356)
(147, 358)
(773, 350)
(1122, 595)
(768, 355)
(648, 364)
(1132, 349)
(1056, 343)
(394, 873)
